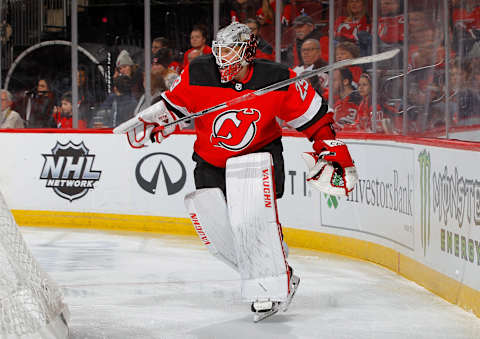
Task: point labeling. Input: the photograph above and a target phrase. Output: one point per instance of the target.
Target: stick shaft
(287, 82)
(132, 123)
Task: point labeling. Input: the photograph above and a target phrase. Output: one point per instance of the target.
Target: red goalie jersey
(250, 125)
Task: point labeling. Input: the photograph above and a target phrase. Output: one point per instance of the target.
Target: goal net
(31, 303)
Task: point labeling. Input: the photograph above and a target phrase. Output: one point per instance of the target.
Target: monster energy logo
(425, 169)
(332, 201)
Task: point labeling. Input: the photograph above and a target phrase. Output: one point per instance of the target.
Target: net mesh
(29, 299)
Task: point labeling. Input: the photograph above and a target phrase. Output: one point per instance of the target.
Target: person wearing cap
(160, 62)
(126, 66)
(305, 29)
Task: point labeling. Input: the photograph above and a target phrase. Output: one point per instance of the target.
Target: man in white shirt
(311, 55)
(8, 117)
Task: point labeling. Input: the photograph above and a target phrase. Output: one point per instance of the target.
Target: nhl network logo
(425, 170)
(68, 170)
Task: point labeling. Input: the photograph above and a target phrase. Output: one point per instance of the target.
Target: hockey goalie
(239, 171)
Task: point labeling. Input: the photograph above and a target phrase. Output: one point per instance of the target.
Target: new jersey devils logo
(235, 129)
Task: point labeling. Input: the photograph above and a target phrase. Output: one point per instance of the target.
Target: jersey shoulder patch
(267, 72)
(203, 71)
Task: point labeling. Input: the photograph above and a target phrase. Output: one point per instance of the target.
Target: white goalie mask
(234, 48)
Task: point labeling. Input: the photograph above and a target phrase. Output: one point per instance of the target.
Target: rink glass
(439, 40)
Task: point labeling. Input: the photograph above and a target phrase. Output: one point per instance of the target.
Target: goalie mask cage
(31, 303)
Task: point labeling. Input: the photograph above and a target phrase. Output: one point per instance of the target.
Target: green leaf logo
(332, 201)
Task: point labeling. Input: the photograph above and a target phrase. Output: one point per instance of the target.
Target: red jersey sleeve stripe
(317, 106)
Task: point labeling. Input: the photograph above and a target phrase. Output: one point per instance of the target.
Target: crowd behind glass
(442, 66)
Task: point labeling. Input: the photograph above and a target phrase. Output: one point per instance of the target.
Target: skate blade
(263, 315)
(284, 306)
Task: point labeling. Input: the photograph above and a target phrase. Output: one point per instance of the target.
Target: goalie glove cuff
(152, 127)
(331, 171)
(334, 151)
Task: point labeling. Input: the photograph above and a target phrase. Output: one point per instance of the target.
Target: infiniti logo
(149, 167)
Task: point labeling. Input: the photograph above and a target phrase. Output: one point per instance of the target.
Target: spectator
(365, 109)
(264, 50)
(63, 115)
(8, 117)
(355, 26)
(39, 105)
(311, 56)
(390, 22)
(348, 50)
(466, 101)
(160, 62)
(418, 22)
(390, 32)
(427, 51)
(266, 13)
(162, 42)
(475, 77)
(466, 21)
(265, 17)
(198, 41)
(158, 43)
(86, 100)
(125, 66)
(305, 29)
(425, 94)
(241, 10)
(346, 99)
(119, 106)
(157, 86)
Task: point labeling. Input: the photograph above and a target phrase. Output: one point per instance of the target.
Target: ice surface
(142, 286)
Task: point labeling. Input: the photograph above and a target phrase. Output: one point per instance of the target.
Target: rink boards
(415, 209)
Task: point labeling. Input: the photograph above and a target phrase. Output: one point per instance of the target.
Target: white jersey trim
(309, 114)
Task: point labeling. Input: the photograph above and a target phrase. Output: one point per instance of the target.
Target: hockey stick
(134, 122)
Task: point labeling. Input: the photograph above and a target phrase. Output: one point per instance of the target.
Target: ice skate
(264, 309)
(294, 282)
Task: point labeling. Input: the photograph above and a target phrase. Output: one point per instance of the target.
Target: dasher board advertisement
(382, 203)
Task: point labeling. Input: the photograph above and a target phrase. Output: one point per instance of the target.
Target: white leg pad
(253, 215)
(208, 211)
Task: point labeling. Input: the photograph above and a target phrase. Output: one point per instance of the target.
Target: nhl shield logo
(235, 129)
(68, 170)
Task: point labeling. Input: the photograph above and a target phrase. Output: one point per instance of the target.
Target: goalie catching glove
(152, 126)
(332, 170)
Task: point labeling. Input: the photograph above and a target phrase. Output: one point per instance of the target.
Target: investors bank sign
(449, 207)
(382, 203)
